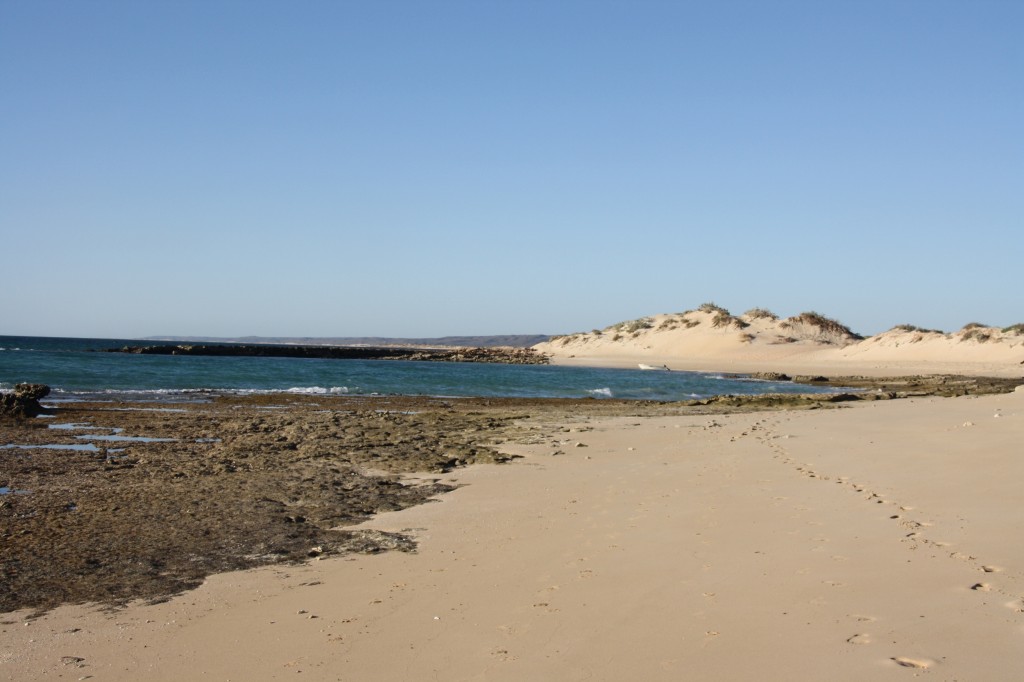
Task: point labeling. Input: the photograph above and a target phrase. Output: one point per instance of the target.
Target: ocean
(74, 372)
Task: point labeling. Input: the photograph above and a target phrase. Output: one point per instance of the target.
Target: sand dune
(712, 339)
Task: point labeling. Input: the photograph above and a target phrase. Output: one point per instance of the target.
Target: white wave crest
(604, 392)
(318, 390)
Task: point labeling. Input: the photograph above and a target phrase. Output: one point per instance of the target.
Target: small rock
(771, 376)
(35, 391)
(24, 401)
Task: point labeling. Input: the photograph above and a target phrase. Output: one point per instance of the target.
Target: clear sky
(411, 168)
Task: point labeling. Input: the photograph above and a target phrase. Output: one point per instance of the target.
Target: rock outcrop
(492, 354)
(24, 400)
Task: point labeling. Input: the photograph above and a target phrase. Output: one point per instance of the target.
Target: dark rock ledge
(501, 355)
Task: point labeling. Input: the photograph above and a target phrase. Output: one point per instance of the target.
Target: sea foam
(318, 390)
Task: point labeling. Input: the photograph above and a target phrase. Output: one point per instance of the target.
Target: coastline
(862, 542)
(490, 354)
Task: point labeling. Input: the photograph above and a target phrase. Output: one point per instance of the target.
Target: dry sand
(874, 542)
(823, 361)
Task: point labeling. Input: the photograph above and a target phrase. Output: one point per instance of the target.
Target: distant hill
(513, 340)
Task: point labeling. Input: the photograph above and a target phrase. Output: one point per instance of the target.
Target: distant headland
(510, 340)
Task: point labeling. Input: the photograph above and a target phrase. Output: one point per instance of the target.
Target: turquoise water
(72, 371)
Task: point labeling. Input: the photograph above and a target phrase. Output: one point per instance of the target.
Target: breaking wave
(317, 390)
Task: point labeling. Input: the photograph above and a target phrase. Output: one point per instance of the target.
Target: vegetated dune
(974, 341)
(711, 338)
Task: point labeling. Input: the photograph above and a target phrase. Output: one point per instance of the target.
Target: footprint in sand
(503, 655)
(919, 663)
(981, 587)
(862, 619)
(859, 638)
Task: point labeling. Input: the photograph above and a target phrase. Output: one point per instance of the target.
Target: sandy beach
(873, 541)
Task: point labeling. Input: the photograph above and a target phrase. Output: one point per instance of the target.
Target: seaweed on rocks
(229, 485)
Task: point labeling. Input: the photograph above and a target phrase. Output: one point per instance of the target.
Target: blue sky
(430, 168)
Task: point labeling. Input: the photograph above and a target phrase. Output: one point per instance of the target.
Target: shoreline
(799, 363)
(865, 532)
(300, 469)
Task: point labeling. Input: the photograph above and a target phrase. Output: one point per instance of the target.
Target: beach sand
(823, 362)
(877, 541)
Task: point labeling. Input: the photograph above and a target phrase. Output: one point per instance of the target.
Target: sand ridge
(712, 339)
